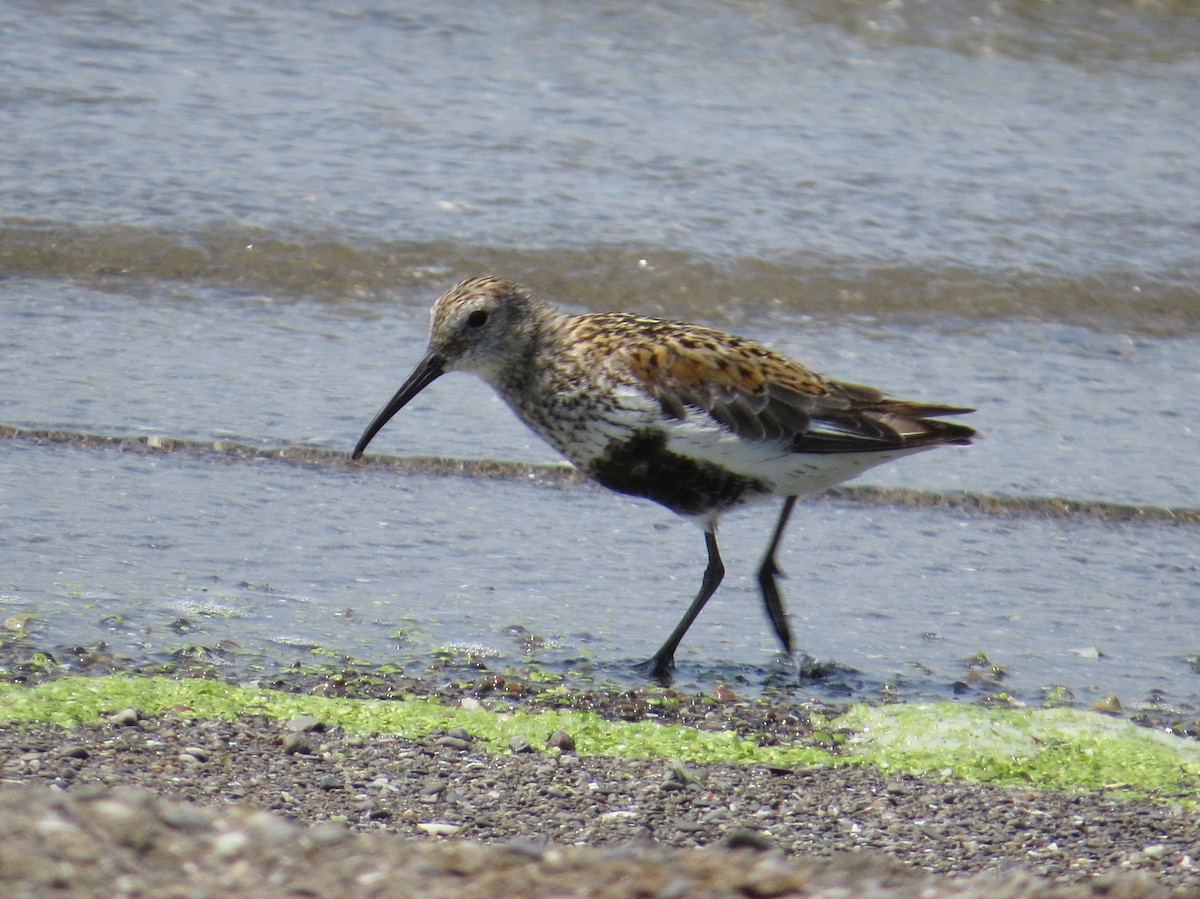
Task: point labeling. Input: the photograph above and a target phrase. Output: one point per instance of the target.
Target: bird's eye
(477, 318)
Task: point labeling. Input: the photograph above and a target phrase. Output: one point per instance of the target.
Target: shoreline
(454, 787)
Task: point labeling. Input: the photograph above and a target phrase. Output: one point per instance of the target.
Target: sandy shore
(171, 806)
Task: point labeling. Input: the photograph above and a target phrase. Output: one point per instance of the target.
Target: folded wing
(760, 395)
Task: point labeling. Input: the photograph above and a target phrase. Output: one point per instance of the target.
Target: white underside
(785, 473)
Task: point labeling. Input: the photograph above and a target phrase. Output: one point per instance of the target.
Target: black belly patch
(642, 466)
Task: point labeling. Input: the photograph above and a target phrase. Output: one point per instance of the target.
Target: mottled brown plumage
(690, 417)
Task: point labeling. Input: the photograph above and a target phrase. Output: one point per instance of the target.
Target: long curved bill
(427, 371)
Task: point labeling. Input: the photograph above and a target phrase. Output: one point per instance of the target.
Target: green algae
(78, 700)
(1043, 748)
(1046, 748)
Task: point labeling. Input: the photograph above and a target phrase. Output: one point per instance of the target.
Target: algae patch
(76, 700)
(1047, 748)
(1044, 748)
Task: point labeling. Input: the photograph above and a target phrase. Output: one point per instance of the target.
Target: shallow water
(108, 544)
(153, 552)
(1065, 411)
(988, 135)
(226, 222)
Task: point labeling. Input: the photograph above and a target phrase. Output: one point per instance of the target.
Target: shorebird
(693, 418)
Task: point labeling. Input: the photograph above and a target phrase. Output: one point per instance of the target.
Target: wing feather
(760, 395)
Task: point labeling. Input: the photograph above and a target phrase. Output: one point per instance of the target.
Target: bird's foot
(806, 667)
(657, 668)
(811, 668)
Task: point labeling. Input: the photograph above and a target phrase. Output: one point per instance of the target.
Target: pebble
(618, 814)
(180, 816)
(745, 838)
(439, 829)
(328, 834)
(230, 844)
(305, 724)
(125, 717)
(296, 743)
(530, 847)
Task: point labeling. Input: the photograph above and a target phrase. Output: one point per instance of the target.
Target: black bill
(427, 371)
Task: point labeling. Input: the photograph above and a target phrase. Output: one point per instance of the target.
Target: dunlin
(695, 419)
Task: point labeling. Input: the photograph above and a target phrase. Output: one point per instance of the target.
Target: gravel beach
(173, 806)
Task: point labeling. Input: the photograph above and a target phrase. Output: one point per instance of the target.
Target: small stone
(561, 740)
(327, 834)
(74, 751)
(461, 733)
(618, 814)
(769, 877)
(125, 718)
(438, 829)
(330, 782)
(519, 743)
(453, 742)
(434, 788)
(1109, 705)
(113, 809)
(230, 844)
(305, 724)
(271, 829)
(181, 816)
(370, 878)
(745, 838)
(296, 742)
(528, 846)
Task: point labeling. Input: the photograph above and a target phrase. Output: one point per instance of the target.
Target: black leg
(767, 574)
(660, 664)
